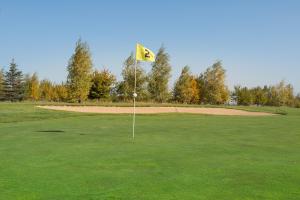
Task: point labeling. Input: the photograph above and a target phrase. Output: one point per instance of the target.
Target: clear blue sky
(258, 41)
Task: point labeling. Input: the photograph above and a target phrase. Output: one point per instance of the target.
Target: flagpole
(143, 54)
(134, 96)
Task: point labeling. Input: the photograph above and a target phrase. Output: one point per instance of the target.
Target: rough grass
(60, 155)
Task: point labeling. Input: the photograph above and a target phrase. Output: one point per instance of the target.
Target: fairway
(56, 155)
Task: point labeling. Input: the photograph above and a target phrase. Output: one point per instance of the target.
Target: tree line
(85, 83)
(281, 94)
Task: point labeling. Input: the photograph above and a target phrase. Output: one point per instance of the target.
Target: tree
(186, 88)
(79, 72)
(281, 94)
(243, 95)
(159, 77)
(125, 88)
(102, 83)
(289, 94)
(13, 81)
(46, 90)
(260, 95)
(212, 85)
(194, 90)
(32, 87)
(1, 84)
(297, 101)
(60, 92)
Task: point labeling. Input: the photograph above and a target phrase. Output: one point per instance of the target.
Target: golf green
(57, 155)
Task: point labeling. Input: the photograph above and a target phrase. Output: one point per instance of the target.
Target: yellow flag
(144, 54)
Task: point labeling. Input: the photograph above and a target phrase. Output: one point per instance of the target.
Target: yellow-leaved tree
(80, 73)
(212, 85)
(186, 88)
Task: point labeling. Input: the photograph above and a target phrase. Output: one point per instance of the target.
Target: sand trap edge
(156, 110)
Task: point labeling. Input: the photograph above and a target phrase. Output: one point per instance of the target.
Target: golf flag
(141, 54)
(144, 54)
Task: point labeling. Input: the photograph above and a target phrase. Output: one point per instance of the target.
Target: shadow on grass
(50, 131)
(281, 112)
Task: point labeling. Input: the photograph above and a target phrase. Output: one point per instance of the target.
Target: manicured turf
(69, 156)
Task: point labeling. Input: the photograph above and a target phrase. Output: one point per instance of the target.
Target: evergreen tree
(79, 72)
(125, 88)
(102, 83)
(13, 83)
(159, 77)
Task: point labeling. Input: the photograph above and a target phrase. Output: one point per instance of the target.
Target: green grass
(63, 155)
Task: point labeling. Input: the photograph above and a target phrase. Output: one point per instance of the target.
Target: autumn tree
(186, 88)
(79, 72)
(212, 85)
(125, 88)
(13, 83)
(102, 84)
(31, 90)
(281, 94)
(159, 77)
(46, 90)
(194, 90)
(288, 93)
(60, 92)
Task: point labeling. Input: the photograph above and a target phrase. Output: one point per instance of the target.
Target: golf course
(54, 155)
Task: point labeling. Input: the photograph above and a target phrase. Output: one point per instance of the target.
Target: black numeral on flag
(147, 54)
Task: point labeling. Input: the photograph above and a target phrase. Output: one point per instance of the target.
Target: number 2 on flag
(147, 54)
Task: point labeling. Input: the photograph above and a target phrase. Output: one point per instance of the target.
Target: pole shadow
(50, 131)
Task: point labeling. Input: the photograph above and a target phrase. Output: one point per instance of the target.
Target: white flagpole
(134, 96)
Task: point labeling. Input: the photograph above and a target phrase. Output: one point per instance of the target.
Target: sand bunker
(154, 110)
